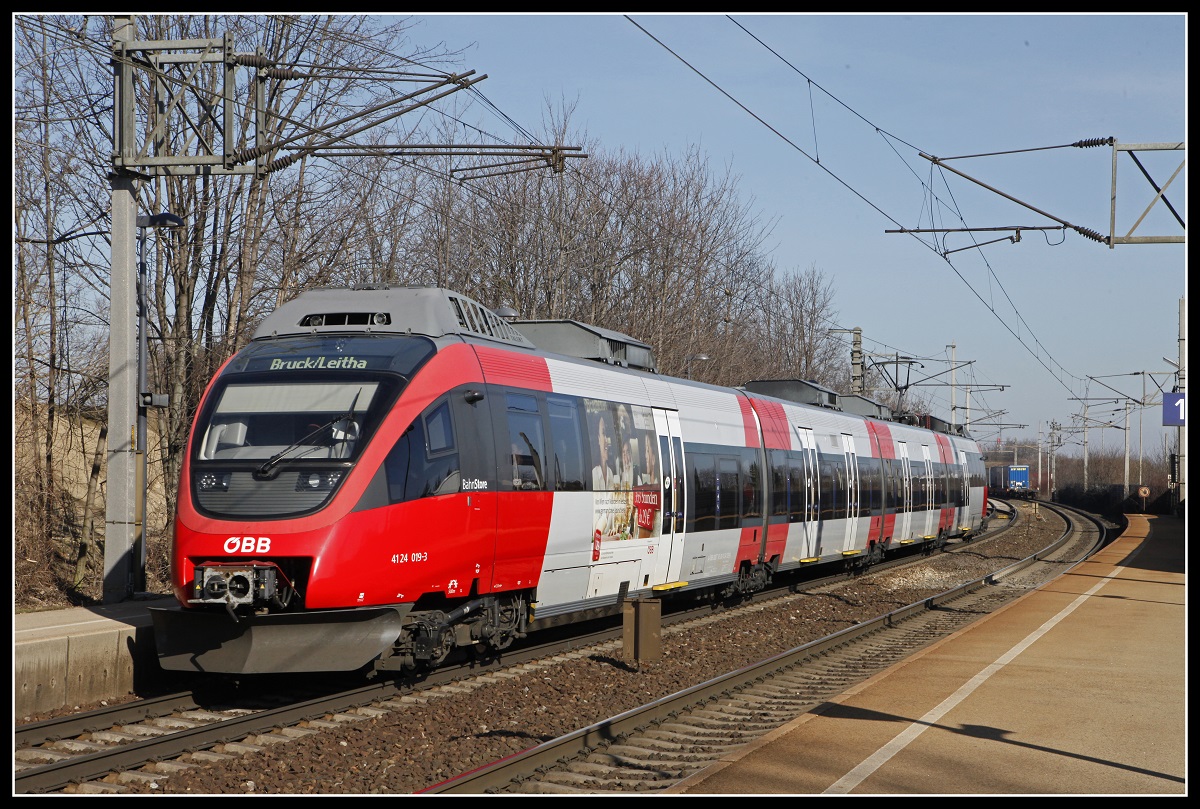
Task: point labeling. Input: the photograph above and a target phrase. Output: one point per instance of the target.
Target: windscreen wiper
(270, 463)
(263, 470)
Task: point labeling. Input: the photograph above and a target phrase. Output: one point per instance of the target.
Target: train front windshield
(286, 422)
(303, 420)
(280, 449)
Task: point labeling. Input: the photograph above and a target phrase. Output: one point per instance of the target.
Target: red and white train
(386, 475)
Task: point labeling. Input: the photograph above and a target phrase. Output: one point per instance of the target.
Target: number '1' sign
(1174, 410)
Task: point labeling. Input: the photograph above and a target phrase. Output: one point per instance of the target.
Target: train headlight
(214, 482)
(318, 481)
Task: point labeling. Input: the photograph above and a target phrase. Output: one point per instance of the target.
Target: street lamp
(697, 357)
(145, 399)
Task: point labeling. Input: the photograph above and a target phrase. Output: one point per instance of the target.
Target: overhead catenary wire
(812, 84)
(326, 131)
(861, 196)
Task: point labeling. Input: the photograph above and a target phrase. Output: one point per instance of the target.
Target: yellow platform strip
(851, 553)
(671, 585)
(811, 559)
(907, 541)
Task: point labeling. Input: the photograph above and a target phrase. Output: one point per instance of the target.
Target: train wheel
(875, 553)
(505, 621)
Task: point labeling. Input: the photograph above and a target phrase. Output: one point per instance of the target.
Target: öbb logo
(247, 545)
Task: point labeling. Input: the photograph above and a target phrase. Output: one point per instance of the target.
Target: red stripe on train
(776, 434)
(502, 367)
(749, 425)
(887, 449)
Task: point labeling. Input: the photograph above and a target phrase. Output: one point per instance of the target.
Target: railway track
(653, 748)
(149, 741)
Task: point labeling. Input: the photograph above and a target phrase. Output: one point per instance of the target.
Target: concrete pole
(1126, 492)
(1053, 458)
(1141, 410)
(1085, 448)
(1181, 479)
(119, 517)
(952, 347)
(857, 377)
(1039, 449)
(138, 552)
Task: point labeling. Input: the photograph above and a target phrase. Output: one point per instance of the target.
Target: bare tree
(799, 310)
(662, 248)
(250, 241)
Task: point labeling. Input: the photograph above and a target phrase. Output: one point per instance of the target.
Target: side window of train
(833, 488)
(702, 499)
(566, 437)
(870, 472)
(976, 472)
(729, 492)
(524, 467)
(424, 461)
(752, 486)
(798, 491)
(779, 482)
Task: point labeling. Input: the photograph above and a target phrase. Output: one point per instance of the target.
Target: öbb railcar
(386, 476)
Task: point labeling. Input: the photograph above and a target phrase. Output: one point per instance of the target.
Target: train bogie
(385, 476)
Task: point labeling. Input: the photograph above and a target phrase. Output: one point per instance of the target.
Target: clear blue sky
(865, 95)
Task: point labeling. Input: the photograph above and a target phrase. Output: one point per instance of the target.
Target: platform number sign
(1174, 409)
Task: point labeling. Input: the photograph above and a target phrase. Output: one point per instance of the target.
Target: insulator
(1090, 142)
(282, 73)
(1089, 233)
(283, 162)
(246, 155)
(252, 60)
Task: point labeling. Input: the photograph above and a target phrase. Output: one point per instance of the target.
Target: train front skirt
(213, 642)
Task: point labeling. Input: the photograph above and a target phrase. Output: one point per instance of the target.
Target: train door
(904, 513)
(525, 501)
(930, 494)
(964, 482)
(808, 492)
(674, 496)
(852, 492)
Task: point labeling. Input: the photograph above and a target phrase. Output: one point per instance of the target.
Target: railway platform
(82, 655)
(1079, 687)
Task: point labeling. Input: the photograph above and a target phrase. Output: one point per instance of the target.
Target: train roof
(589, 342)
(438, 312)
(801, 391)
(431, 311)
(807, 392)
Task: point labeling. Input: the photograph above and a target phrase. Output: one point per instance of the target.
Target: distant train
(1010, 481)
(385, 477)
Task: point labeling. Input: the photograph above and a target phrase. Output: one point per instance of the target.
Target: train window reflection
(257, 421)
